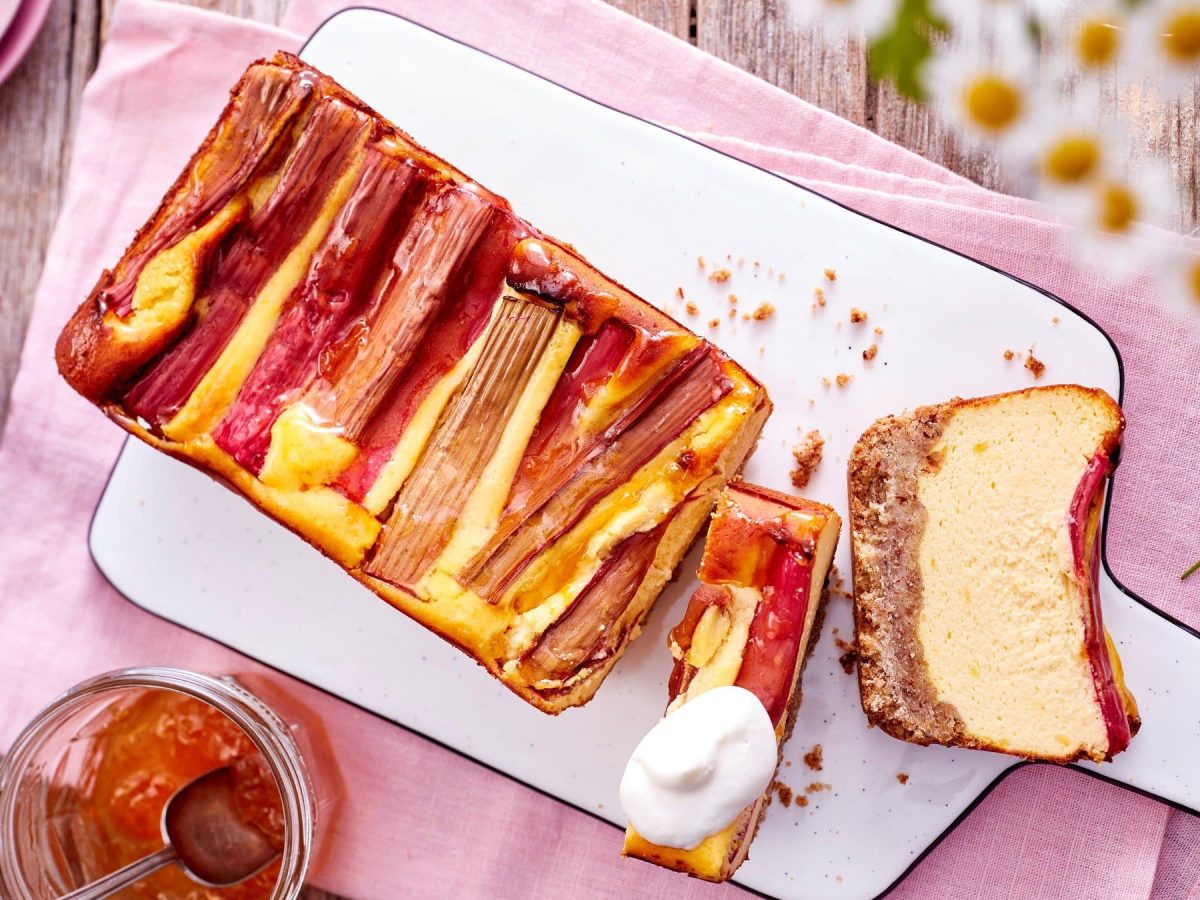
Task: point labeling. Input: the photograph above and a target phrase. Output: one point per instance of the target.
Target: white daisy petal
(841, 18)
(969, 18)
(1179, 282)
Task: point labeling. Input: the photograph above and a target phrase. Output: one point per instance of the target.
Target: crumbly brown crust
(886, 523)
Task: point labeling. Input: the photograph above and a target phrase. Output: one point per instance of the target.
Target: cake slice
(750, 624)
(376, 351)
(975, 531)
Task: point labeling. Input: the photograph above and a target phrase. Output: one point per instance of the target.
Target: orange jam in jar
(84, 785)
(145, 752)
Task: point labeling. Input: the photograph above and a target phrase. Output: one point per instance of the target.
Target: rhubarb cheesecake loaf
(377, 352)
(748, 626)
(975, 531)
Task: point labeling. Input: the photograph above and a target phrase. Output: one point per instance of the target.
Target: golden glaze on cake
(751, 624)
(376, 351)
(975, 528)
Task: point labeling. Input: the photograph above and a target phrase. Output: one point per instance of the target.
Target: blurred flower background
(1047, 86)
(1043, 84)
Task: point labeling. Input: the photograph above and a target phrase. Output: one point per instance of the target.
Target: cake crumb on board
(784, 792)
(857, 315)
(878, 331)
(870, 352)
(813, 758)
(849, 657)
(902, 777)
(679, 292)
(817, 786)
(801, 800)
(836, 585)
(830, 274)
(719, 275)
(713, 323)
(692, 309)
(844, 379)
(1034, 365)
(807, 454)
(764, 310)
(1008, 355)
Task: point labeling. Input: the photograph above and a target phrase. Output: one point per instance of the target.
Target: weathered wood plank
(761, 38)
(672, 16)
(33, 133)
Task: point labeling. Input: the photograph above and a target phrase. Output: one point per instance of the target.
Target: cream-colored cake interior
(1002, 621)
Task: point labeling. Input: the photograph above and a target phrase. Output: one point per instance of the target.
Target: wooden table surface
(40, 102)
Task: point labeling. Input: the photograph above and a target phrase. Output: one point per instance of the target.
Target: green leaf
(898, 53)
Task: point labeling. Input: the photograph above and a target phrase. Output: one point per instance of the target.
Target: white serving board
(643, 203)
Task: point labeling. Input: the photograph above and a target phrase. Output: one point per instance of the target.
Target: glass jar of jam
(83, 788)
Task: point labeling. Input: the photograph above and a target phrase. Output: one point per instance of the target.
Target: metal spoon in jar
(205, 835)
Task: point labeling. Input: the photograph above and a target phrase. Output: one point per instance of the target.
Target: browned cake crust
(886, 523)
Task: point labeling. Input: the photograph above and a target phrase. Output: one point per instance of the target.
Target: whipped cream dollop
(699, 767)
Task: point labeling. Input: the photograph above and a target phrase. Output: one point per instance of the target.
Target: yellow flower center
(1072, 158)
(991, 102)
(1118, 207)
(1182, 38)
(1097, 43)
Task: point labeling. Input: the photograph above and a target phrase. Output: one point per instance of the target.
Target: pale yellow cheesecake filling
(1002, 617)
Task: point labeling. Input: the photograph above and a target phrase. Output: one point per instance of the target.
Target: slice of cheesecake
(376, 351)
(750, 624)
(975, 532)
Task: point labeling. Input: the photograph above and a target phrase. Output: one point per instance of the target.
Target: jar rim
(266, 730)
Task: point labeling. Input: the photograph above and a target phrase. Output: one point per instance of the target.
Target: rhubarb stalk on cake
(976, 540)
(376, 351)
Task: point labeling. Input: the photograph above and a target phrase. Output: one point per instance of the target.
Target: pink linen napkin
(458, 828)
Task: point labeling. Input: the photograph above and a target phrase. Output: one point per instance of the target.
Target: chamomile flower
(1180, 283)
(1165, 37)
(839, 18)
(1112, 215)
(1065, 144)
(1096, 38)
(986, 96)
